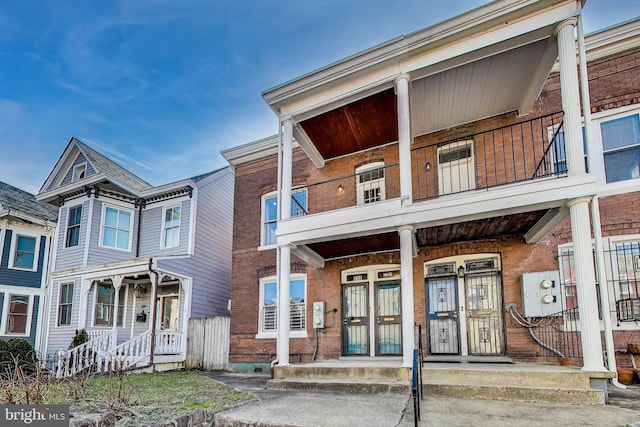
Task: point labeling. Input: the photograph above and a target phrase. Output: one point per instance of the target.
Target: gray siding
(102, 255)
(60, 336)
(72, 257)
(80, 159)
(151, 229)
(210, 267)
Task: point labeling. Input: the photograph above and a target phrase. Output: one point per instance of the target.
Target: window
(105, 298)
(16, 322)
(559, 153)
(74, 216)
(621, 148)
(627, 256)
(270, 213)
(171, 227)
(370, 186)
(116, 228)
(24, 252)
(78, 172)
(456, 170)
(65, 304)
(297, 305)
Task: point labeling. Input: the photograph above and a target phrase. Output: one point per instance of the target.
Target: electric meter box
(541, 294)
(318, 314)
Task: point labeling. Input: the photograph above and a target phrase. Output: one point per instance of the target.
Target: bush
(79, 338)
(20, 352)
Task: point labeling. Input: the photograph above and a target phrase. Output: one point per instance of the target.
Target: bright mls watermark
(34, 415)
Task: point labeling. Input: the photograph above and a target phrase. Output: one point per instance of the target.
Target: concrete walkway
(280, 408)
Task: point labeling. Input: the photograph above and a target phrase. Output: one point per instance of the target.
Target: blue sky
(162, 86)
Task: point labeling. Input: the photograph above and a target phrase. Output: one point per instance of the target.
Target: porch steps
(524, 382)
(343, 377)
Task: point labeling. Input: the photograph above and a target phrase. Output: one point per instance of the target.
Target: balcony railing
(525, 151)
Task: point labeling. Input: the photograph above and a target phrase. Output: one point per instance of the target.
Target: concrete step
(573, 396)
(341, 385)
(354, 373)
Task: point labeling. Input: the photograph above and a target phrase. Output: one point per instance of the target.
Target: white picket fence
(208, 344)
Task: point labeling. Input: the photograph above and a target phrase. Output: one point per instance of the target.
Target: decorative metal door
(484, 314)
(388, 319)
(442, 314)
(355, 319)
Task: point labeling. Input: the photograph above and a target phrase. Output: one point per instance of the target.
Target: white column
(287, 165)
(85, 287)
(570, 96)
(406, 288)
(579, 208)
(283, 305)
(404, 138)
(117, 284)
(586, 285)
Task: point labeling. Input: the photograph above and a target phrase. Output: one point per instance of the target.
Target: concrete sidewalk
(280, 408)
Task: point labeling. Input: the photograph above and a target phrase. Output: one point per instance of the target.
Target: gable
(81, 163)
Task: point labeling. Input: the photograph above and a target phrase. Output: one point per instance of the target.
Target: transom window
(116, 228)
(370, 184)
(17, 317)
(74, 217)
(65, 304)
(621, 148)
(297, 304)
(24, 254)
(105, 300)
(171, 227)
(270, 213)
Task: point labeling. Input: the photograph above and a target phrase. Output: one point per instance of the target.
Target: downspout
(275, 361)
(154, 296)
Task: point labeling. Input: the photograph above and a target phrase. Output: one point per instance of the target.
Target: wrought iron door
(355, 319)
(484, 314)
(388, 319)
(442, 314)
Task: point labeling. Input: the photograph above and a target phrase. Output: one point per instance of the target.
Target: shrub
(79, 338)
(20, 352)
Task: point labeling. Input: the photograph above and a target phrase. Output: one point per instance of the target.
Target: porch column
(404, 138)
(117, 284)
(287, 165)
(85, 287)
(579, 208)
(406, 289)
(283, 305)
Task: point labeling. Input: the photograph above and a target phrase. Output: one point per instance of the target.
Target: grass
(147, 399)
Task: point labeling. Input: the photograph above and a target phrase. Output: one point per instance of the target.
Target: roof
(17, 202)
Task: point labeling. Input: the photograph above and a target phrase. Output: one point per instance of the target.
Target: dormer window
(78, 172)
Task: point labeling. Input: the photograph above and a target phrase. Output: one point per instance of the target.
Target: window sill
(266, 248)
(274, 335)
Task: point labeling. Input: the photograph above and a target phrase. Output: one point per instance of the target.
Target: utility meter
(318, 314)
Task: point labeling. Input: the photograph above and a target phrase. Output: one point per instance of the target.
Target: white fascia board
(73, 186)
(251, 151)
(130, 266)
(389, 215)
(168, 187)
(381, 66)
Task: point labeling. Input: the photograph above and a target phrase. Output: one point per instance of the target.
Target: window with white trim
(79, 172)
(24, 252)
(621, 148)
(171, 227)
(104, 304)
(65, 304)
(370, 184)
(269, 213)
(17, 318)
(297, 305)
(74, 216)
(116, 228)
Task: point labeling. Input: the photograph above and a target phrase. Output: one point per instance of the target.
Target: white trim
(95, 285)
(118, 208)
(3, 232)
(79, 169)
(57, 305)
(191, 241)
(66, 225)
(21, 232)
(373, 184)
(89, 233)
(263, 211)
(163, 223)
(5, 312)
(274, 334)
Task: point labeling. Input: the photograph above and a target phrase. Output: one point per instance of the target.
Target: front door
(442, 314)
(169, 313)
(388, 319)
(355, 319)
(484, 314)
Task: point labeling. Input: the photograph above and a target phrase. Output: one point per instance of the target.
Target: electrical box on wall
(541, 294)
(318, 314)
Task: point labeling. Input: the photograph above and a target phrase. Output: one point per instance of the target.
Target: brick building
(442, 179)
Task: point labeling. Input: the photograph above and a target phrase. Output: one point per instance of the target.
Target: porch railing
(524, 151)
(168, 342)
(85, 356)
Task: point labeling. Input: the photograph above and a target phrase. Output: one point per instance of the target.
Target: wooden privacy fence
(208, 344)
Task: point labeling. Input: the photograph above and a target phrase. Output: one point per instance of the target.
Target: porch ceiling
(473, 86)
(487, 228)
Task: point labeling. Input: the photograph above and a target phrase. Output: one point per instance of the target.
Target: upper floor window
(270, 213)
(456, 167)
(621, 148)
(370, 185)
(16, 320)
(297, 305)
(171, 227)
(105, 302)
(24, 252)
(79, 172)
(65, 304)
(116, 228)
(74, 216)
